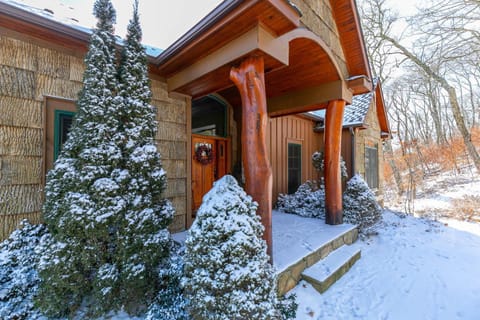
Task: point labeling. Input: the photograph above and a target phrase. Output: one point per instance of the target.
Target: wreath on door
(204, 153)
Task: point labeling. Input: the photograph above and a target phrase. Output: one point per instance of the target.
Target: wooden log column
(249, 78)
(333, 143)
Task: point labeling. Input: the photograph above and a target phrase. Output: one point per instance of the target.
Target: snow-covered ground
(415, 268)
(444, 196)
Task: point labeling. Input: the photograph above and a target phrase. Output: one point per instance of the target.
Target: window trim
(300, 173)
(50, 104)
(56, 130)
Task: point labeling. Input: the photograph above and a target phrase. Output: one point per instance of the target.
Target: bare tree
(448, 36)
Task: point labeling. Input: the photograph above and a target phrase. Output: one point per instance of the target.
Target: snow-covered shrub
(227, 269)
(19, 257)
(307, 201)
(360, 206)
(104, 202)
(170, 303)
(318, 164)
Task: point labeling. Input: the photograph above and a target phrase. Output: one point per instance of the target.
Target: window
(371, 166)
(294, 166)
(63, 121)
(209, 116)
(58, 119)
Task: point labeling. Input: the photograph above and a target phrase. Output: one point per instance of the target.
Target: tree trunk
(250, 81)
(393, 165)
(452, 97)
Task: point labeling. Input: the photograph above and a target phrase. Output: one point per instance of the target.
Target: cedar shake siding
(32, 71)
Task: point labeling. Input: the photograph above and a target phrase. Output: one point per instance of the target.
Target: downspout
(352, 132)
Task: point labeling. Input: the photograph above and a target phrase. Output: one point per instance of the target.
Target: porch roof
(301, 70)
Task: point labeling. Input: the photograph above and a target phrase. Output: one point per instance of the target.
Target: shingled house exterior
(304, 55)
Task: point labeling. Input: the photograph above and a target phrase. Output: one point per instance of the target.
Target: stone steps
(327, 271)
(290, 276)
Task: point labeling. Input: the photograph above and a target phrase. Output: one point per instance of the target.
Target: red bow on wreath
(204, 154)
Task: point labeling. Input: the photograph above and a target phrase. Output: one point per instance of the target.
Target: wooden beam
(360, 84)
(333, 144)
(308, 99)
(258, 38)
(249, 78)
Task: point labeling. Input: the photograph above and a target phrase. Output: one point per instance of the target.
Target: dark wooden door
(206, 169)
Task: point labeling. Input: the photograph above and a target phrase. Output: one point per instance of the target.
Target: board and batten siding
(32, 70)
(281, 131)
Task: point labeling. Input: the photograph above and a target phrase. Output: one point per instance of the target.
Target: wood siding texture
(317, 16)
(281, 131)
(30, 70)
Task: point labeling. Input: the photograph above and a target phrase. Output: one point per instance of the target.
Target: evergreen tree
(82, 201)
(19, 259)
(360, 206)
(143, 238)
(227, 269)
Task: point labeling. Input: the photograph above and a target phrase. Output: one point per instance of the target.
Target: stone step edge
(288, 278)
(337, 264)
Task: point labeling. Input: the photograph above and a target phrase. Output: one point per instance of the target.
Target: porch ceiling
(299, 66)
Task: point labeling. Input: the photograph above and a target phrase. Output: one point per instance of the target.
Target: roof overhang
(352, 40)
(382, 113)
(32, 24)
(301, 71)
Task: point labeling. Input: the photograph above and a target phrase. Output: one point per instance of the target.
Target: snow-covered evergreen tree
(318, 164)
(82, 202)
(143, 238)
(19, 257)
(227, 269)
(307, 201)
(360, 206)
(170, 303)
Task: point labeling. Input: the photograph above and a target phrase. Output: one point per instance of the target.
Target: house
(291, 141)
(365, 126)
(214, 88)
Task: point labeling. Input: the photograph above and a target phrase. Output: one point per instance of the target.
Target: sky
(162, 21)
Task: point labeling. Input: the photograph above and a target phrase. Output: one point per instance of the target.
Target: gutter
(42, 21)
(354, 140)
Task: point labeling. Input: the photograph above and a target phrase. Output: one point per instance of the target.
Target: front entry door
(209, 163)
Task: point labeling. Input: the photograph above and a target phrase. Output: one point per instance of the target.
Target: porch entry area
(210, 162)
(308, 249)
(259, 58)
(211, 146)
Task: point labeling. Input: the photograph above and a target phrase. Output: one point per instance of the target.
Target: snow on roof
(355, 113)
(58, 12)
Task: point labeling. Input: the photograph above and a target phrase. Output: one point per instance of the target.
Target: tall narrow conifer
(143, 238)
(82, 201)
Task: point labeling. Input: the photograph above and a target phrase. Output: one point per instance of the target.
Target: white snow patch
(295, 237)
(413, 269)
